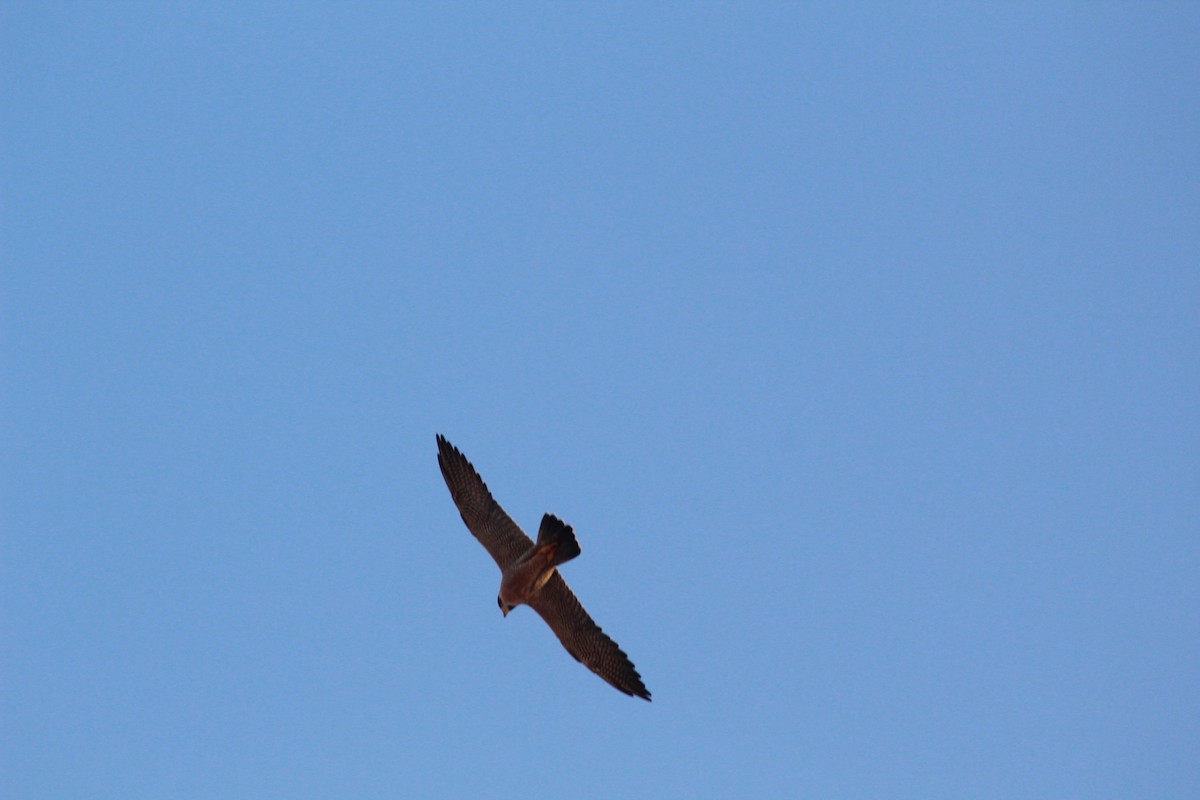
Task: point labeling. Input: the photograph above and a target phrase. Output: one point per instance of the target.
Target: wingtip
(444, 446)
(638, 690)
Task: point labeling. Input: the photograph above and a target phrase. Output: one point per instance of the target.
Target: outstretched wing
(494, 529)
(582, 637)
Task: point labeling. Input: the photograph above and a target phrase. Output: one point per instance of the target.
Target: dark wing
(494, 529)
(584, 640)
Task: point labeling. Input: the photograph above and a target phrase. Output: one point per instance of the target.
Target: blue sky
(858, 344)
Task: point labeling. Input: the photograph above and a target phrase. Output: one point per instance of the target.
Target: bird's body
(529, 572)
(521, 581)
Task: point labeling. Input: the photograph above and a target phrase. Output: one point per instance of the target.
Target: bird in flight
(529, 572)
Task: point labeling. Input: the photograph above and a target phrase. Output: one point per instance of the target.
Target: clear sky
(859, 345)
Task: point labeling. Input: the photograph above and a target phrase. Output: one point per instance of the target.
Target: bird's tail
(559, 535)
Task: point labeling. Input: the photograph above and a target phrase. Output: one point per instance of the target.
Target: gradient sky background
(859, 345)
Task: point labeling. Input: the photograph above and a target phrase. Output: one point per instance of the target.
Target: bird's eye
(499, 602)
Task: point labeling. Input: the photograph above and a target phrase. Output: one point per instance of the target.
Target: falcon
(529, 572)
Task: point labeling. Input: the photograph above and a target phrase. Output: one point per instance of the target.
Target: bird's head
(503, 608)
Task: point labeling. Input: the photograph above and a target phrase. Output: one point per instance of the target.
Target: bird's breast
(525, 578)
